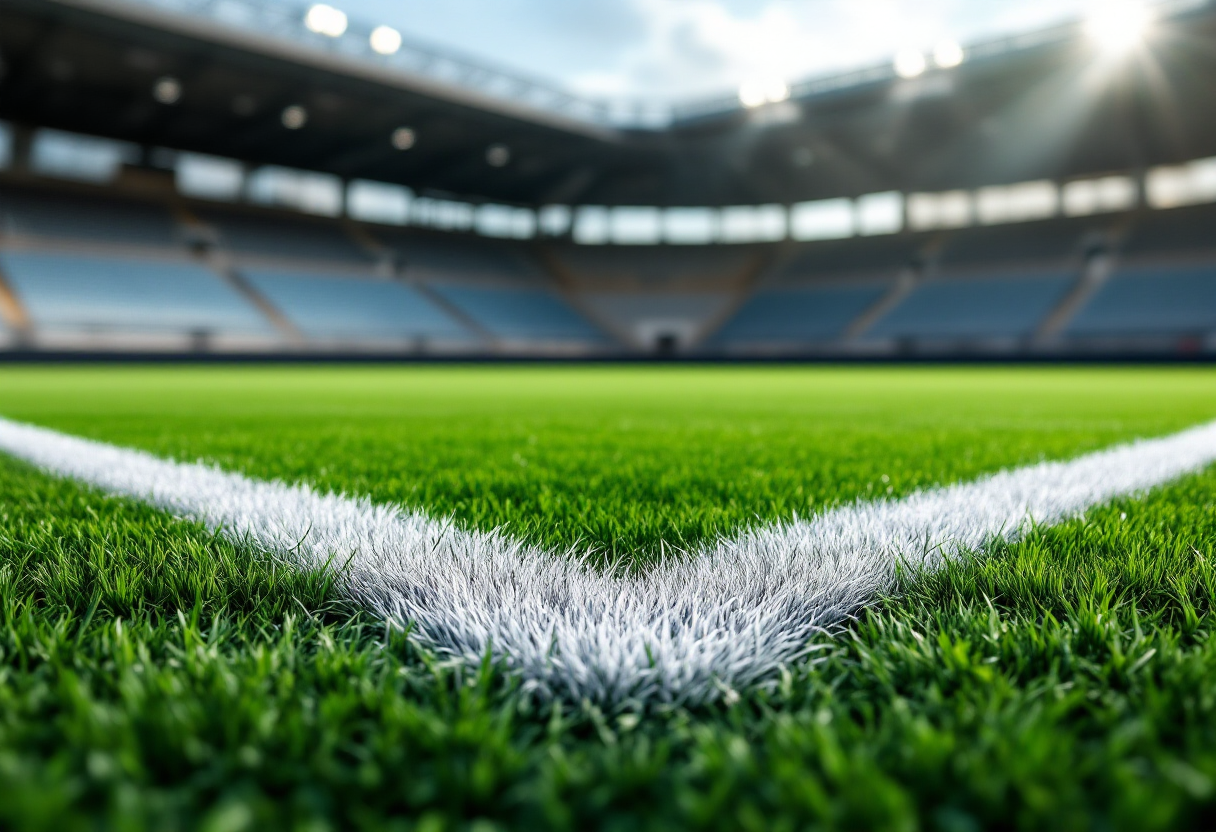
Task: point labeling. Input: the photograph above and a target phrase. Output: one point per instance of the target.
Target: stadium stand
(979, 308)
(798, 316)
(654, 319)
(1051, 243)
(84, 218)
(656, 268)
(1178, 232)
(850, 259)
(94, 294)
(1145, 301)
(520, 314)
(815, 295)
(1164, 283)
(432, 257)
(354, 309)
(943, 245)
(990, 284)
(255, 236)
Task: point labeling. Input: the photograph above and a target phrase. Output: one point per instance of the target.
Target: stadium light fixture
(167, 90)
(497, 155)
(948, 54)
(1118, 25)
(385, 40)
(910, 63)
(404, 138)
(325, 20)
(294, 117)
(763, 91)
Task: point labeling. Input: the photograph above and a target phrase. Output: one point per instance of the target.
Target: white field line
(687, 630)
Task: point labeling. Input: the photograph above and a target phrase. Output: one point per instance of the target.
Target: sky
(669, 50)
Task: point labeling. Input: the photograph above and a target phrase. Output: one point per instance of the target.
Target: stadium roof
(1044, 105)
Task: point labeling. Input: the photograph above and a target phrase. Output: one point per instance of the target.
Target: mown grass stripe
(690, 629)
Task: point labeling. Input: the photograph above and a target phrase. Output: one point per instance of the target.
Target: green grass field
(155, 676)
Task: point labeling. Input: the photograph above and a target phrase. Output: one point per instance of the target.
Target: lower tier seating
(96, 294)
(354, 308)
(520, 314)
(1146, 300)
(791, 316)
(976, 308)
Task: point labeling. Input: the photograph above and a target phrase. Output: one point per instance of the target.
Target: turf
(153, 676)
(621, 460)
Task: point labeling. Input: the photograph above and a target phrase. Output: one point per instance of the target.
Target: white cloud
(707, 47)
(677, 48)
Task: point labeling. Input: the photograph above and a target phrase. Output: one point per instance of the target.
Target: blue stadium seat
(85, 218)
(1150, 300)
(1009, 306)
(799, 315)
(354, 308)
(656, 267)
(70, 292)
(884, 256)
(1049, 243)
(1172, 232)
(428, 256)
(297, 239)
(524, 314)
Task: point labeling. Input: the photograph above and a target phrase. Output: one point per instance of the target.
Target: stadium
(394, 439)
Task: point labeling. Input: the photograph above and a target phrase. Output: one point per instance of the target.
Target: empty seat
(295, 239)
(654, 267)
(1175, 300)
(427, 256)
(68, 292)
(85, 218)
(627, 306)
(1052, 241)
(836, 258)
(352, 309)
(1004, 307)
(523, 314)
(798, 315)
(1178, 231)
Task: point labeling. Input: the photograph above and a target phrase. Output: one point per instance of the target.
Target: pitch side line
(687, 630)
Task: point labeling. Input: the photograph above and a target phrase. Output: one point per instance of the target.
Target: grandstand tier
(795, 317)
(169, 182)
(520, 314)
(347, 309)
(1137, 301)
(101, 295)
(979, 308)
(86, 266)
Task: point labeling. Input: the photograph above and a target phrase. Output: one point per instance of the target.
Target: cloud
(671, 49)
(707, 47)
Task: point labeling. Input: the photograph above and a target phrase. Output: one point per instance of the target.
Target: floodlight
(404, 138)
(167, 90)
(294, 117)
(1118, 25)
(948, 54)
(385, 39)
(776, 90)
(910, 63)
(325, 20)
(763, 91)
(497, 155)
(751, 94)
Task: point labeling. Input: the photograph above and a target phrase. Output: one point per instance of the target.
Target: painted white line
(687, 630)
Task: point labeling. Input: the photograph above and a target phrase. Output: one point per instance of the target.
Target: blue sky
(669, 49)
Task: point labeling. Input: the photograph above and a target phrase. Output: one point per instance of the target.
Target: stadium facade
(239, 178)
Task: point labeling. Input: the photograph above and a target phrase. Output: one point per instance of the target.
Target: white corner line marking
(687, 630)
